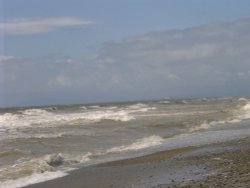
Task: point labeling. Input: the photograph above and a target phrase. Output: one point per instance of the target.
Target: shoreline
(214, 165)
(148, 158)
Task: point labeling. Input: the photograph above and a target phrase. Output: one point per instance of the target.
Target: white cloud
(62, 80)
(6, 58)
(23, 26)
(193, 52)
(201, 61)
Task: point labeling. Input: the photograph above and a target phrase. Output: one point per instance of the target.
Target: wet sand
(217, 165)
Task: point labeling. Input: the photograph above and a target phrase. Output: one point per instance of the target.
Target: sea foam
(32, 179)
(138, 144)
(41, 117)
(40, 169)
(241, 114)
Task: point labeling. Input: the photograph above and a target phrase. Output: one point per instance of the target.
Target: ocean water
(42, 143)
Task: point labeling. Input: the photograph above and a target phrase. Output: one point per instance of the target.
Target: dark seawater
(42, 143)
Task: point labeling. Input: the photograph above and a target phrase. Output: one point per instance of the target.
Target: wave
(42, 117)
(239, 114)
(97, 116)
(12, 152)
(243, 112)
(246, 108)
(164, 102)
(138, 144)
(15, 120)
(40, 169)
(139, 107)
(71, 132)
(206, 125)
(32, 179)
(35, 112)
(55, 160)
(83, 107)
(59, 159)
(242, 99)
(56, 165)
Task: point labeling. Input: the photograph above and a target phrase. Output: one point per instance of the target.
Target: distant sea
(42, 143)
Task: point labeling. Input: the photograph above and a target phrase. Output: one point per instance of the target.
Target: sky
(86, 51)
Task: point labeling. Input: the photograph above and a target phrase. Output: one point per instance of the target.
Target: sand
(216, 165)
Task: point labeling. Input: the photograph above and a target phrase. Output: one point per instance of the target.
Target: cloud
(60, 80)
(173, 77)
(25, 26)
(6, 58)
(209, 60)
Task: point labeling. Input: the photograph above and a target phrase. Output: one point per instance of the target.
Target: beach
(225, 164)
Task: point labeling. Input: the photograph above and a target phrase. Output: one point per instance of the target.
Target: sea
(42, 143)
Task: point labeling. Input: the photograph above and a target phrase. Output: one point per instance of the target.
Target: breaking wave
(241, 114)
(138, 144)
(38, 170)
(57, 165)
(35, 112)
(41, 117)
(32, 179)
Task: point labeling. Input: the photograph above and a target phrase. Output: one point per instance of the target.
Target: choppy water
(42, 143)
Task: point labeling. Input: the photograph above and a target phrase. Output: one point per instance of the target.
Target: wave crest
(35, 112)
(240, 114)
(138, 144)
(41, 117)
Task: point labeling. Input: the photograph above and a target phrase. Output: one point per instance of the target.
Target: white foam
(83, 107)
(84, 158)
(42, 118)
(95, 107)
(52, 135)
(247, 107)
(16, 124)
(112, 107)
(205, 125)
(54, 160)
(138, 144)
(35, 112)
(164, 102)
(174, 113)
(240, 114)
(32, 179)
(8, 119)
(67, 158)
(33, 117)
(138, 108)
(97, 116)
(245, 111)
(39, 169)
(242, 99)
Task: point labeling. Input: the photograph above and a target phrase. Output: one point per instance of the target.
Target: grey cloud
(209, 60)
